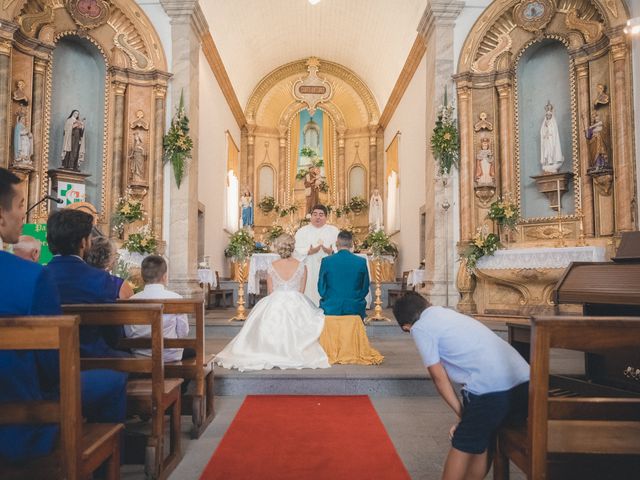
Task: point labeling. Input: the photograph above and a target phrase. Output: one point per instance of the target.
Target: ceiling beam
(217, 67)
(410, 66)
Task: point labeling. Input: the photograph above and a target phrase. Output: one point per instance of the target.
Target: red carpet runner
(306, 438)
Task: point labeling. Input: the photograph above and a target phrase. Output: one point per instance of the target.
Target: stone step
(401, 374)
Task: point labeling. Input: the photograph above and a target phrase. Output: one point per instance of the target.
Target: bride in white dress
(283, 328)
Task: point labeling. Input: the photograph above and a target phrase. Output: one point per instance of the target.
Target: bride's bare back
(286, 268)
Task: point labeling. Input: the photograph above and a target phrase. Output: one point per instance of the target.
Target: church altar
(260, 262)
(521, 280)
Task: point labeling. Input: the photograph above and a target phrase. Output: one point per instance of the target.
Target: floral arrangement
(357, 204)
(284, 211)
(315, 161)
(274, 232)
(128, 210)
(343, 211)
(504, 212)
(241, 245)
(267, 204)
(445, 140)
(324, 186)
(482, 244)
(379, 243)
(143, 241)
(177, 143)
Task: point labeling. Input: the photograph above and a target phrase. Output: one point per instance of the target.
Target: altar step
(401, 374)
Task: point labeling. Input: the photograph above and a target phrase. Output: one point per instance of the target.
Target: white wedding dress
(281, 331)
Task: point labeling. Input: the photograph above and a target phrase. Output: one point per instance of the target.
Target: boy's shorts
(482, 415)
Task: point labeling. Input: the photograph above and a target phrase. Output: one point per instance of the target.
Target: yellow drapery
(232, 155)
(294, 153)
(327, 151)
(392, 157)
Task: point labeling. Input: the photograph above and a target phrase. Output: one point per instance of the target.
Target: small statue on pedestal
(551, 157)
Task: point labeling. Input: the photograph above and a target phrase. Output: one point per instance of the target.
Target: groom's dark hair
(345, 239)
(320, 207)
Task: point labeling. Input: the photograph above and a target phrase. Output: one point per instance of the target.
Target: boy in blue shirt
(495, 379)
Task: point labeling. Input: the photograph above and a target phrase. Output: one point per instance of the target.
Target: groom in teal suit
(343, 283)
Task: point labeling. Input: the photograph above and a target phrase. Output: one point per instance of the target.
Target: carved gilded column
(282, 168)
(586, 186)
(117, 161)
(623, 164)
(5, 87)
(37, 129)
(157, 178)
(251, 158)
(466, 172)
(373, 158)
(341, 194)
(505, 112)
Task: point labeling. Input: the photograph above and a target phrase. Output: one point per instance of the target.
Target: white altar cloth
(206, 276)
(519, 258)
(261, 261)
(416, 277)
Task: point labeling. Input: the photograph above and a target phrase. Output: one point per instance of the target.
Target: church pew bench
(588, 433)
(198, 369)
(152, 397)
(82, 447)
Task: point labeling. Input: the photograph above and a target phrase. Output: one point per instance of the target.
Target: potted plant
(357, 204)
(128, 210)
(506, 215)
(267, 204)
(241, 246)
(379, 244)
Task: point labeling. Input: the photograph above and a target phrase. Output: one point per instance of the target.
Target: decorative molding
(312, 89)
(439, 12)
(88, 14)
(219, 71)
(30, 23)
(486, 62)
(534, 15)
(299, 68)
(410, 66)
(592, 31)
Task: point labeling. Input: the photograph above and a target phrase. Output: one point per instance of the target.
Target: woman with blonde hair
(283, 328)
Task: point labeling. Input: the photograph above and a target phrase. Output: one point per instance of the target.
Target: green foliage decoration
(482, 244)
(177, 143)
(445, 140)
(379, 244)
(241, 245)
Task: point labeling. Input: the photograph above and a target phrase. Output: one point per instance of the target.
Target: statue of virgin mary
(551, 157)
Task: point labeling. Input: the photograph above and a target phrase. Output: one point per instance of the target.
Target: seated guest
(102, 255)
(69, 237)
(154, 275)
(34, 375)
(343, 283)
(28, 248)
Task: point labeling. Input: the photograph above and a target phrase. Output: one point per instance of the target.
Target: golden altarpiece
(50, 51)
(544, 98)
(321, 106)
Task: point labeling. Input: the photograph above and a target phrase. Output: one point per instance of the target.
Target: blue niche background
(543, 75)
(78, 84)
(310, 139)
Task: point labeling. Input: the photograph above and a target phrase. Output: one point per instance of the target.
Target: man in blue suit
(343, 283)
(69, 238)
(27, 289)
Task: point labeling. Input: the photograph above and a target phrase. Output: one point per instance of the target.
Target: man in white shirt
(154, 274)
(495, 378)
(314, 242)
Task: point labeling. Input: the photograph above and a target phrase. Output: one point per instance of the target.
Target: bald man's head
(28, 248)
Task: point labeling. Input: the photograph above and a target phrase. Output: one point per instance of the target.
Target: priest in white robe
(314, 242)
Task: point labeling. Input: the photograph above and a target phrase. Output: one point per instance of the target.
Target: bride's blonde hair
(284, 245)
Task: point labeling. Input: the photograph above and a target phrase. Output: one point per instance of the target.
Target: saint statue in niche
(598, 140)
(602, 97)
(375, 211)
(485, 165)
(22, 143)
(551, 157)
(73, 142)
(137, 158)
(246, 206)
(19, 94)
(312, 183)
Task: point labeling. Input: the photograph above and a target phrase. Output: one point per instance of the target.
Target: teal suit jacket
(343, 284)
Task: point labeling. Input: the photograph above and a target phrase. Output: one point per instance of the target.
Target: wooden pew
(582, 434)
(83, 447)
(152, 397)
(199, 369)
